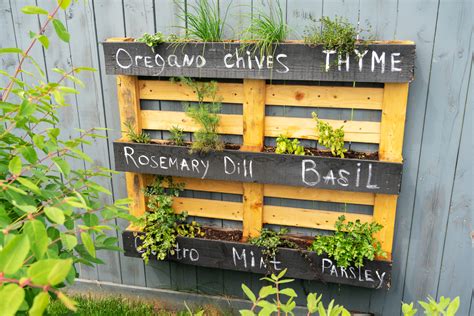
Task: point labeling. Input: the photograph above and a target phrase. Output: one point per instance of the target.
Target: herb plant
(287, 146)
(329, 137)
(205, 114)
(275, 299)
(52, 217)
(177, 137)
(337, 35)
(134, 136)
(151, 40)
(161, 225)
(266, 30)
(445, 307)
(203, 21)
(351, 243)
(270, 241)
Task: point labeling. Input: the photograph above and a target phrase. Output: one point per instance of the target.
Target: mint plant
(270, 241)
(51, 217)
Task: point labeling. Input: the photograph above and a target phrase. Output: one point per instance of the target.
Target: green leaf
(36, 232)
(29, 154)
(61, 30)
(64, 4)
(249, 293)
(49, 271)
(69, 303)
(31, 9)
(266, 290)
(10, 50)
(79, 69)
(246, 312)
(13, 255)
(69, 241)
(88, 243)
(14, 166)
(453, 307)
(44, 40)
(28, 184)
(54, 214)
(62, 165)
(289, 292)
(26, 108)
(40, 303)
(12, 297)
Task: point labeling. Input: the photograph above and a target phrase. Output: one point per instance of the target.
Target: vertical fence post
(391, 144)
(253, 140)
(129, 104)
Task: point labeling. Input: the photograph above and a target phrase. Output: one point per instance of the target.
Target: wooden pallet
(254, 126)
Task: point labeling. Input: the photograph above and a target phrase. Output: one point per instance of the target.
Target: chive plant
(203, 20)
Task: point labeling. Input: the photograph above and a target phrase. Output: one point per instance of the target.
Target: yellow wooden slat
(324, 96)
(165, 120)
(305, 128)
(384, 213)
(311, 194)
(209, 208)
(298, 217)
(167, 90)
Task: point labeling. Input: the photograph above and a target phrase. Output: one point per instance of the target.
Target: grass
(203, 19)
(118, 306)
(266, 29)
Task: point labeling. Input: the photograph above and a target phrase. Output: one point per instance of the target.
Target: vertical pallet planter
(255, 174)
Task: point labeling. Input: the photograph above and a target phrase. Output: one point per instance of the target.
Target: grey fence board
(436, 101)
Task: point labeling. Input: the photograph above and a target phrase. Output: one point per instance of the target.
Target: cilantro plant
(351, 243)
(329, 137)
(287, 146)
(445, 307)
(51, 216)
(273, 299)
(161, 225)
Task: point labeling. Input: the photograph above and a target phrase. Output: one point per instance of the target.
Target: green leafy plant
(266, 30)
(351, 243)
(287, 146)
(52, 217)
(151, 40)
(329, 137)
(161, 225)
(177, 136)
(270, 241)
(203, 21)
(134, 136)
(445, 307)
(337, 35)
(275, 299)
(205, 114)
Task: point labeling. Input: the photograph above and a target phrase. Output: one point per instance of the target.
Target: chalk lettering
(343, 181)
(121, 50)
(187, 61)
(360, 57)
(340, 61)
(328, 57)
(305, 170)
(393, 62)
(278, 58)
(369, 178)
(242, 257)
(229, 162)
(128, 152)
(379, 60)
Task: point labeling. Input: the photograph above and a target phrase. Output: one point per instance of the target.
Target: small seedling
(177, 137)
(266, 30)
(151, 40)
(329, 137)
(134, 136)
(287, 146)
(203, 21)
(351, 243)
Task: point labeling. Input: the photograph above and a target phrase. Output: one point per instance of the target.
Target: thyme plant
(52, 217)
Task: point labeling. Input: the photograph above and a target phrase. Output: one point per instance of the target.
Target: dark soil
(222, 234)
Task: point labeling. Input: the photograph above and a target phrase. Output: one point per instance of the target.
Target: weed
(161, 226)
(205, 115)
(329, 137)
(177, 136)
(351, 243)
(266, 30)
(287, 146)
(203, 20)
(134, 136)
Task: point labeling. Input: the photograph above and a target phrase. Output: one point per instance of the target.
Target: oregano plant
(51, 216)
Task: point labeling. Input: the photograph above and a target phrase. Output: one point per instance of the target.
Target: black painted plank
(233, 165)
(383, 62)
(244, 257)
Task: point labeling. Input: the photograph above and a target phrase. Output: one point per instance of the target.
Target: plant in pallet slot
(351, 243)
(161, 225)
(275, 300)
(137, 137)
(51, 217)
(205, 114)
(177, 136)
(287, 146)
(329, 137)
(270, 241)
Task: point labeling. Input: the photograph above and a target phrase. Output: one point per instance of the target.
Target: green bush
(51, 216)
